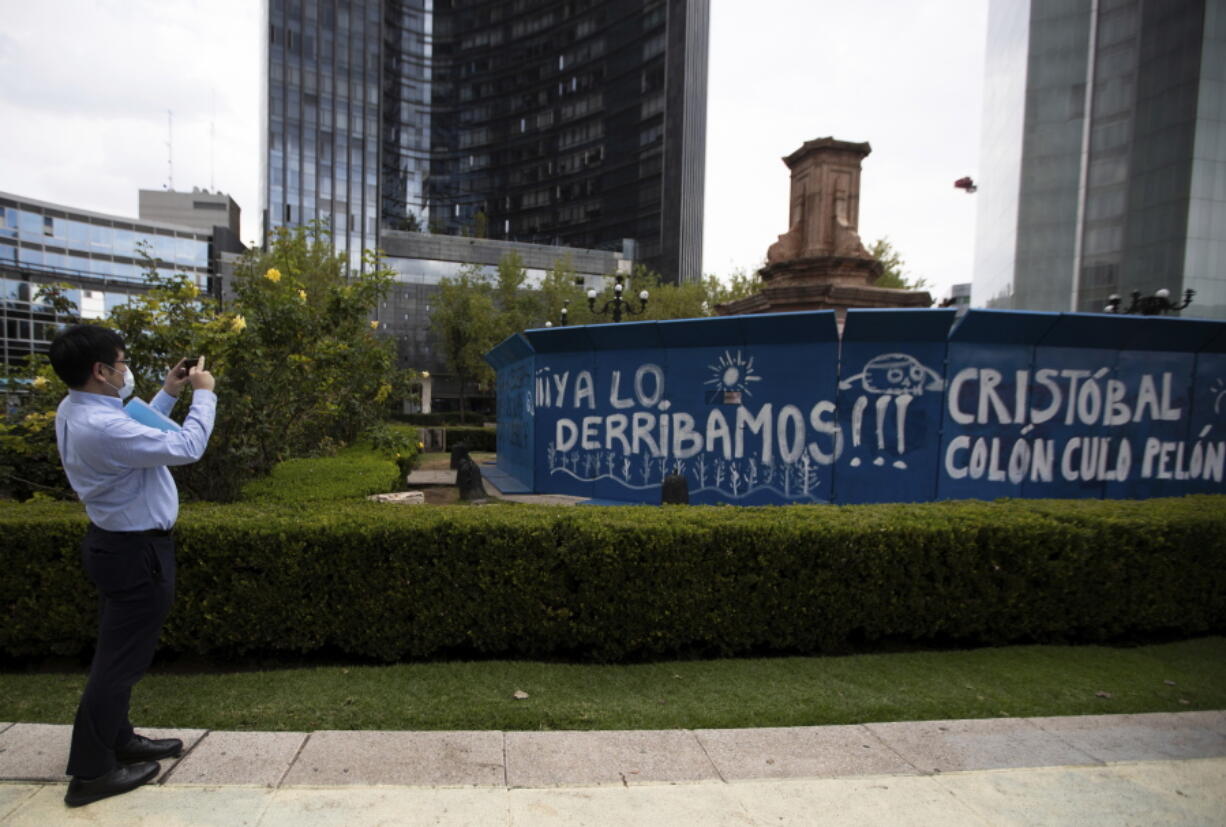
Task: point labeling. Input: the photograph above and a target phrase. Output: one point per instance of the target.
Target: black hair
(76, 349)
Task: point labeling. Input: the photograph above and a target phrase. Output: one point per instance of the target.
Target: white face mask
(129, 384)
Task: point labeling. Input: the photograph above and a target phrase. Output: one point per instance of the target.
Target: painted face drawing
(896, 374)
(894, 378)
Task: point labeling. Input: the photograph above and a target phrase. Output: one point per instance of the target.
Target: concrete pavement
(1167, 768)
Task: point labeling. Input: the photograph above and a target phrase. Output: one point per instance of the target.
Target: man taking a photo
(119, 469)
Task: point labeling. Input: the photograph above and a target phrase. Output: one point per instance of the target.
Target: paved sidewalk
(1127, 769)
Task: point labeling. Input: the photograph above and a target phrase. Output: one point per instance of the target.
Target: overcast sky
(88, 84)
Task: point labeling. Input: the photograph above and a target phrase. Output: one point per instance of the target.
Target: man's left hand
(176, 378)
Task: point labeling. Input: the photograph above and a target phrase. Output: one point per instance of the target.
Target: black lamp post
(565, 314)
(617, 303)
(1156, 305)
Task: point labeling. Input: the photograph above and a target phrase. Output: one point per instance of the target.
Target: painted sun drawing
(733, 373)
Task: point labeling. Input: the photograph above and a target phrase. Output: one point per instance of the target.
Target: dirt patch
(441, 461)
(440, 494)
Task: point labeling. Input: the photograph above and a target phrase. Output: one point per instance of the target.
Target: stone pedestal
(820, 262)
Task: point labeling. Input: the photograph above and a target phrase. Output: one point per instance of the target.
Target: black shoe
(118, 780)
(141, 748)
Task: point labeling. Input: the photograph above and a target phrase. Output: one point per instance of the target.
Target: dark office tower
(579, 123)
(1103, 168)
(322, 110)
(405, 114)
(576, 123)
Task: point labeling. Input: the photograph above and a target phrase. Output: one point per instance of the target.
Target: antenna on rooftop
(212, 136)
(170, 158)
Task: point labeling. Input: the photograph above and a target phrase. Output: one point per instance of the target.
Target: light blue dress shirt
(118, 467)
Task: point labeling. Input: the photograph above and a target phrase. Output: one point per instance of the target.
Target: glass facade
(1051, 154)
(405, 119)
(1115, 180)
(99, 256)
(322, 111)
(1204, 264)
(1000, 156)
(578, 123)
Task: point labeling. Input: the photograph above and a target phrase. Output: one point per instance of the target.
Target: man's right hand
(200, 378)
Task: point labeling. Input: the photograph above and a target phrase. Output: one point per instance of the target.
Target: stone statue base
(822, 283)
(819, 263)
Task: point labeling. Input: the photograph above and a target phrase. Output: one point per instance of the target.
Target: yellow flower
(421, 446)
(374, 324)
(40, 382)
(238, 324)
(35, 422)
(302, 295)
(273, 274)
(192, 291)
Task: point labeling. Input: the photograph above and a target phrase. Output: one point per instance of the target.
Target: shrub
(475, 439)
(400, 443)
(29, 459)
(300, 369)
(351, 474)
(638, 582)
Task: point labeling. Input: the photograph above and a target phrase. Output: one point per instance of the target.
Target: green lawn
(1010, 681)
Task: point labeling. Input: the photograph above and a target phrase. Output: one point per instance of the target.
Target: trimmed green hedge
(352, 472)
(609, 584)
(476, 439)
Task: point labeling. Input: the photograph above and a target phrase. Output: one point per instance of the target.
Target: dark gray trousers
(135, 576)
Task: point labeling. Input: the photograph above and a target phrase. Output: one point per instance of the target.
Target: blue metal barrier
(773, 408)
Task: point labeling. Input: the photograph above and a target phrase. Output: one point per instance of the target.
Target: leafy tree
(475, 311)
(892, 264)
(300, 369)
(558, 290)
(464, 321)
(740, 285)
(687, 300)
(29, 459)
(518, 308)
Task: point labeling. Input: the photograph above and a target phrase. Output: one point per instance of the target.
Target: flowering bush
(399, 442)
(299, 371)
(29, 461)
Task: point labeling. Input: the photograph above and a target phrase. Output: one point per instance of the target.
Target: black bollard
(468, 480)
(675, 490)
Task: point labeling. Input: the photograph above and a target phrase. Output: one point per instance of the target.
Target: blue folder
(145, 415)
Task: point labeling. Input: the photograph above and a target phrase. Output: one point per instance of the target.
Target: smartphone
(190, 363)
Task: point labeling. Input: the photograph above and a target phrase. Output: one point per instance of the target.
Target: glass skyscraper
(1103, 168)
(576, 123)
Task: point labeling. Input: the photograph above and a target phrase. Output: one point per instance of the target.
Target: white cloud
(89, 87)
(88, 84)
